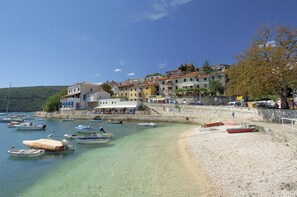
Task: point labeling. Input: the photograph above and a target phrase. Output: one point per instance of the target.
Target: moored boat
(26, 152)
(114, 122)
(30, 126)
(49, 145)
(91, 140)
(13, 124)
(213, 124)
(147, 124)
(240, 129)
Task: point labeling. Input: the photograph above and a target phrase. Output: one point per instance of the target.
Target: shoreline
(205, 187)
(246, 164)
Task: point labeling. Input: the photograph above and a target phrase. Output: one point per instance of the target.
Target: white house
(116, 106)
(82, 96)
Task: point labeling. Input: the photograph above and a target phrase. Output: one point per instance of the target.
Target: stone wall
(185, 114)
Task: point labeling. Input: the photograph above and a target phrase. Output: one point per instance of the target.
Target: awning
(72, 94)
(116, 107)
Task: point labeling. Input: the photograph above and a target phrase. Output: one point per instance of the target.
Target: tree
(107, 88)
(268, 66)
(187, 68)
(215, 87)
(53, 102)
(207, 68)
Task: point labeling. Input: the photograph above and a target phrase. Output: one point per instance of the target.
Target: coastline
(246, 164)
(205, 187)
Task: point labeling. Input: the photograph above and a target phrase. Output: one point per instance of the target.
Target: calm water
(137, 162)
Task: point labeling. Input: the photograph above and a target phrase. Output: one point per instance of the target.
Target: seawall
(184, 114)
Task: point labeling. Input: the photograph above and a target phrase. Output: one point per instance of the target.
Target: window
(176, 81)
(185, 80)
(205, 85)
(163, 89)
(191, 79)
(163, 82)
(212, 77)
(146, 88)
(198, 86)
(205, 79)
(220, 76)
(176, 87)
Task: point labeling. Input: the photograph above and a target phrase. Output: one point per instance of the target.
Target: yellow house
(148, 89)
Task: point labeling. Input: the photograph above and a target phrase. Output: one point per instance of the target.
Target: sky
(61, 42)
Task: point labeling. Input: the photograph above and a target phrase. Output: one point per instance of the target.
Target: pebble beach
(244, 164)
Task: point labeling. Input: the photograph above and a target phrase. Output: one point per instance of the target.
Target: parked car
(235, 104)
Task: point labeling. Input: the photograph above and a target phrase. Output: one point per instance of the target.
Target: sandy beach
(243, 164)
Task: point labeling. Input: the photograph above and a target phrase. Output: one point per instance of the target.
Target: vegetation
(26, 99)
(187, 68)
(268, 66)
(107, 88)
(216, 87)
(155, 74)
(53, 103)
(207, 68)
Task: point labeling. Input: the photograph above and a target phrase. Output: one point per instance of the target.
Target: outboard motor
(67, 146)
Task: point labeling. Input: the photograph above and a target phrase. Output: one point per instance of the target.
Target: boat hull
(241, 130)
(92, 140)
(213, 124)
(27, 153)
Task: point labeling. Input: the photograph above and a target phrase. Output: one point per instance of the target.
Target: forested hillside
(26, 99)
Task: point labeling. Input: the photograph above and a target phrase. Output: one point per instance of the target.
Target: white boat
(91, 140)
(85, 128)
(49, 145)
(74, 136)
(26, 152)
(30, 126)
(147, 124)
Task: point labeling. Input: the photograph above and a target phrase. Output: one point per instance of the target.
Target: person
(101, 129)
(233, 114)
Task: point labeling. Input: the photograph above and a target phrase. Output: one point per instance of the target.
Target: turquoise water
(137, 162)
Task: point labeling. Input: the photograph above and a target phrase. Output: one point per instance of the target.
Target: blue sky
(60, 42)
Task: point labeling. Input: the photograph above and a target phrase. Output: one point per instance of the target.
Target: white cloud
(162, 65)
(131, 74)
(162, 8)
(118, 70)
(98, 83)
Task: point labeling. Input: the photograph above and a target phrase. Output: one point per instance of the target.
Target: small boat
(30, 126)
(82, 127)
(147, 124)
(91, 140)
(49, 145)
(114, 122)
(241, 129)
(213, 124)
(72, 136)
(26, 152)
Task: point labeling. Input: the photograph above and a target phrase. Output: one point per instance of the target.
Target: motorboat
(30, 126)
(85, 128)
(26, 152)
(92, 139)
(147, 124)
(49, 145)
(114, 122)
(74, 136)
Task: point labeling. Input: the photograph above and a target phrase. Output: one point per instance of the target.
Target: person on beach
(101, 129)
(233, 114)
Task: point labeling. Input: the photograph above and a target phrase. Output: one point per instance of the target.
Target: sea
(138, 161)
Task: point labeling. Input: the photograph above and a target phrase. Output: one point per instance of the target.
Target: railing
(289, 123)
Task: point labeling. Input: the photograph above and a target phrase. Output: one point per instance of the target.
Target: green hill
(26, 99)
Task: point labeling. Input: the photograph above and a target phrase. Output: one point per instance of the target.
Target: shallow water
(137, 162)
